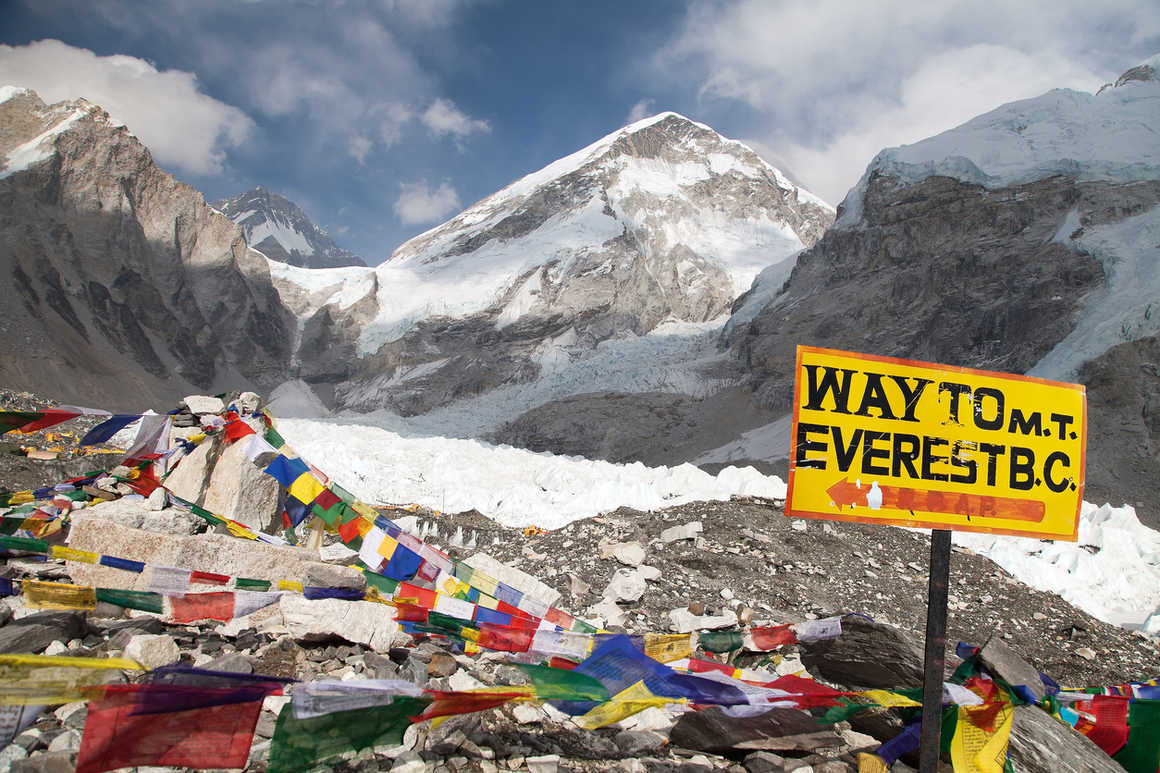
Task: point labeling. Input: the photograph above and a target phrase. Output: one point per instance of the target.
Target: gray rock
(152, 651)
(711, 730)
(1042, 744)
(866, 655)
(202, 404)
(638, 743)
(1002, 661)
(33, 633)
(331, 576)
(46, 762)
(764, 762)
(234, 663)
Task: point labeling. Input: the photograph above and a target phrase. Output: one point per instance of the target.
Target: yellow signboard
(884, 440)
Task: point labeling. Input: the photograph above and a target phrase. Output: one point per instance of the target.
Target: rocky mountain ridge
(280, 230)
(121, 285)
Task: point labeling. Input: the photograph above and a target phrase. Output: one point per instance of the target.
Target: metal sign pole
(936, 641)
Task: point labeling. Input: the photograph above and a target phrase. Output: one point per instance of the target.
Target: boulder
(152, 651)
(204, 552)
(218, 476)
(866, 655)
(33, 633)
(1041, 743)
(1002, 661)
(711, 730)
(358, 622)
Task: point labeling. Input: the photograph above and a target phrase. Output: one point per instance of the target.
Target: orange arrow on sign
(846, 492)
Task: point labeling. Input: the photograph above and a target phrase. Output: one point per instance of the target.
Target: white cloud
(641, 109)
(443, 118)
(834, 82)
(165, 109)
(417, 203)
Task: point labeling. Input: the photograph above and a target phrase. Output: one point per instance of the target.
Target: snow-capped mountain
(664, 220)
(120, 286)
(281, 231)
(1026, 240)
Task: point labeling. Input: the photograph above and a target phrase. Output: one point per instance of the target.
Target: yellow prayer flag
(973, 748)
(363, 509)
(887, 698)
(289, 585)
(871, 763)
(71, 554)
(484, 583)
(667, 647)
(387, 546)
(65, 661)
(631, 700)
(306, 488)
(58, 595)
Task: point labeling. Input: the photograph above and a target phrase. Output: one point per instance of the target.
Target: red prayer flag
(202, 606)
(772, 636)
(117, 737)
(698, 666)
(326, 499)
(209, 578)
(452, 703)
(493, 637)
(1111, 729)
(51, 417)
(236, 429)
(423, 597)
(559, 617)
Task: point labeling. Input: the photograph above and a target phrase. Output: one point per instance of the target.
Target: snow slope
(1112, 135)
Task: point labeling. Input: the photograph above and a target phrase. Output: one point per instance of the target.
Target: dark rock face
(121, 284)
(267, 216)
(868, 655)
(946, 271)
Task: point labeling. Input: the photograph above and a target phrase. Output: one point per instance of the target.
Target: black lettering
(805, 445)
(929, 459)
(958, 459)
(997, 396)
(845, 451)
(911, 395)
(1053, 458)
(1029, 425)
(874, 396)
(904, 457)
(954, 390)
(869, 453)
(829, 384)
(993, 452)
(1062, 420)
(1022, 468)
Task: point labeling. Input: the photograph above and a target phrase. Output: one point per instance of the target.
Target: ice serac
(280, 230)
(120, 287)
(1024, 240)
(662, 220)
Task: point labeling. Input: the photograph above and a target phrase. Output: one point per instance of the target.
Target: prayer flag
(115, 736)
(564, 684)
(979, 743)
(106, 429)
(50, 417)
(14, 420)
(286, 470)
(305, 487)
(299, 744)
(1142, 752)
(58, 595)
(202, 606)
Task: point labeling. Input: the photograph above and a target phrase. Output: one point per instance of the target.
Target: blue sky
(383, 118)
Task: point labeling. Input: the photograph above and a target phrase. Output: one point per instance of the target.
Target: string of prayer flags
(300, 744)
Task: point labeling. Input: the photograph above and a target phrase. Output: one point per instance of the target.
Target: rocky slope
(280, 230)
(1022, 241)
(120, 285)
(662, 220)
(718, 561)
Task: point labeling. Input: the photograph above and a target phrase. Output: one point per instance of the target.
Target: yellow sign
(884, 440)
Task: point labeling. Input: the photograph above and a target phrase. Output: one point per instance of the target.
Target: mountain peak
(278, 228)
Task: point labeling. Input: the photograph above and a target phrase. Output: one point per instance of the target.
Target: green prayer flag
(244, 583)
(1142, 752)
(446, 622)
(273, 438)
(146, 601)
(24, 543)
(342, 493)
(721, 641)
(301, 744)
(10, 420)
(385, 585)
(840, 713)
(562, 684)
